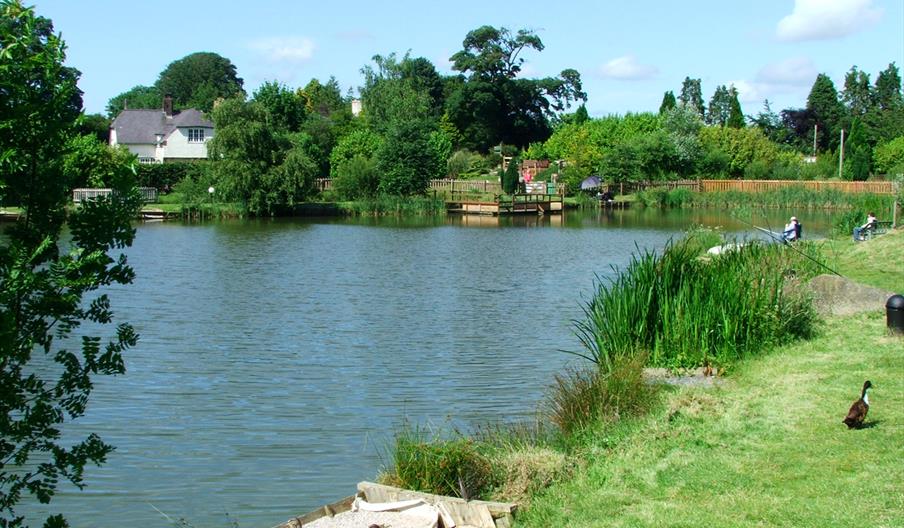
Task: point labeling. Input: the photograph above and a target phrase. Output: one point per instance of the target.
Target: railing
(148, 194)
(484, 186)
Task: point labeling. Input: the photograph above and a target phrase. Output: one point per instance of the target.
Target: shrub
(889, 155)
(356, 178)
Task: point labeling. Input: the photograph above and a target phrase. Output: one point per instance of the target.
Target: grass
(385, 205)
(766, 449)
(878, 261)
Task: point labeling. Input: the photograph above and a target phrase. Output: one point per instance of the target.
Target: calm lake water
(277, 357)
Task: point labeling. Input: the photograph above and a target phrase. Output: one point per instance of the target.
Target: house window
(196, 135)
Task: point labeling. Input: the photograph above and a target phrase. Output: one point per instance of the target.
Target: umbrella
(590, 183)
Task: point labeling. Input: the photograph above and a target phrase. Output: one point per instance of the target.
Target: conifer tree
(668, 102)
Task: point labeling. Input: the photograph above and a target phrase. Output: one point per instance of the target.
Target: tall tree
(770, 123)
(827, 110)
(858, 95)
(888, 89)
(45, 379)
(491, 105)
(719, 107)
(692, 95)
(199, 79)
(668, 102)
(858, 153)
(735, 114)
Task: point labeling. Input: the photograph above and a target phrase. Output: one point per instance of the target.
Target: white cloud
(289, 49)
(827, 19)
(796, 71)
(627, 68)
(749, 92)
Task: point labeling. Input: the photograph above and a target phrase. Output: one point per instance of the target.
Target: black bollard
(894, 314)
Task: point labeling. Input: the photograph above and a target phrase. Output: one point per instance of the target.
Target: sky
(629, 53)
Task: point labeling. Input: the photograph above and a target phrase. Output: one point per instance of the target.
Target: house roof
(142, 126)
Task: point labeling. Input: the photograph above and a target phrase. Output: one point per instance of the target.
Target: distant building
(156, 136)
(356, 107)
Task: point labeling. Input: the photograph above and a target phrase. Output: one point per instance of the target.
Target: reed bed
(684, 311)
(786, 197)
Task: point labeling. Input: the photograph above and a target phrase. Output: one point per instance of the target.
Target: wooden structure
(515, 204)
(475, 513)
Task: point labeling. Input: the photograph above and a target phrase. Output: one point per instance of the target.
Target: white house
(156, 136)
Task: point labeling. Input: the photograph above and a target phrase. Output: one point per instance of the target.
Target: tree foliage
(826, 110)
(138, 97)
(43, 282)
(405, 159)
(668, 102)
(491, 105)
(692, 95)
(199, 79)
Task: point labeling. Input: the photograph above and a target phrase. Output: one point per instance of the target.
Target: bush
(164, 176)
(443, 466)
(356, 178)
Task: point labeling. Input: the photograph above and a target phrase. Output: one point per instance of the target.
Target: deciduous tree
(138, 97)
(199, 79)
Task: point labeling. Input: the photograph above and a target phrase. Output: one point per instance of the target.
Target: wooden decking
(537, 204)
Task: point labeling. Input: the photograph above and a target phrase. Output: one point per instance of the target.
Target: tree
(888, 89)
(692, 95)
(405, 160)
(90, 163)
(199, 79)
(735, 114)
(491, 106)
(492, 54)
(827, 110)
(285, 108)
(511, 176)
(770, 123)
(857, 96)
(94, 125)
(859, 155)
(719, 107)
(43, 281)
(668, 102)
(138, 97)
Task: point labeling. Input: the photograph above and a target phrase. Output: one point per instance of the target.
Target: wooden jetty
(507, 205)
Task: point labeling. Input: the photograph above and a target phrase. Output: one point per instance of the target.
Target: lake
(277, 357)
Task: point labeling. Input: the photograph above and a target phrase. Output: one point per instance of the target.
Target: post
(841, 156)
(815, 129)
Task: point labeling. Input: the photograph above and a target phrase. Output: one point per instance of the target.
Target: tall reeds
(684, 311)
(388, 205)
(795, 197)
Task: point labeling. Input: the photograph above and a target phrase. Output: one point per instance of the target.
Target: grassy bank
(767, 448)
(878, 262)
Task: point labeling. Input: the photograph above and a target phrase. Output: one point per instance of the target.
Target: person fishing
(871, 222)
(792, 230)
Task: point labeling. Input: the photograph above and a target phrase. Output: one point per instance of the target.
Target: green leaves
(43, 282)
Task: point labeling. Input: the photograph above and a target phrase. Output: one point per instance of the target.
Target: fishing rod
(781, 239)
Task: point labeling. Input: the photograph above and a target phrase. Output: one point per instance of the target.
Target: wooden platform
(517, 204)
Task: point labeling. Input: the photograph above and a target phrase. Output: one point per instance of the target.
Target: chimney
(168, 105)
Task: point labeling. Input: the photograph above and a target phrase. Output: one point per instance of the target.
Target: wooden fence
(875, 187)
(473, 186)
(148, 194)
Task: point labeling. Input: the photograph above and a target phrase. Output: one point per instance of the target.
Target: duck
(855, 416)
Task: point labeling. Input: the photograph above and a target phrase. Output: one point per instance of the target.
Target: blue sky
(628, 53)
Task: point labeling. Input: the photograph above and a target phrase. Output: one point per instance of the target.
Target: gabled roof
(142, 126)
